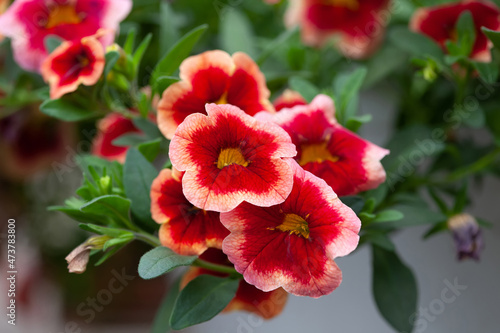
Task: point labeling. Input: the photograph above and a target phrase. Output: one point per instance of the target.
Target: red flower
(31, 141)
(110, 128)
(29, 22)
(439, 23)
(248, 298)
(293, 245)
(357, 25)
(230, 157)
(72, 64)
(213, 77)
(288, 99)
(185, 228)
(345, 161)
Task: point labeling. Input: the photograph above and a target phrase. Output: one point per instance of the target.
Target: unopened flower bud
(467, 236)
(78, 258)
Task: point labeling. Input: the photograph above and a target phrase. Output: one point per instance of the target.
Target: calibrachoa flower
(110, 128)
(357, 25)
(30, 141)
(73, 63)
(213, 77)
(185, 228)
(288, 99)
(467, 236)
(345, 161)
(439, 23)
(230, 157)
(28, 22)
(248, 298)
(293, 245)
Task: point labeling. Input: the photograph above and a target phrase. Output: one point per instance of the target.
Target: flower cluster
(260, 186)
(29, 22)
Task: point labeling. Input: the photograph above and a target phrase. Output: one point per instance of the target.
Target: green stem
(477, 166)
(215, 267)
(147, 238)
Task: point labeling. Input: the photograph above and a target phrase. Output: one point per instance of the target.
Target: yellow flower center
(222, 99)
(230, 156)
(349, 4)
(295, 225)
(65, 14)
(316, 152)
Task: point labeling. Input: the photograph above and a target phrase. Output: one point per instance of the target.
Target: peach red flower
(248, 298)
(345, 161)
(185, 228)
(439, 23)
(213, 77)
(356, 26)
(110, 128)
(230, 157)
(293, 245)
(288, 99)
(29, 22)
(73, 63)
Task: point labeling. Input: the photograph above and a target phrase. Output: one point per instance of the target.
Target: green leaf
(276, 43)
(202, 299)
(113, 206)
(379, 68)
(435, 229)
(389, 215)
(163, 82)
(492, 35)
(141, 49)
(52, 42)
(304, 87)
(137, 179)
(346, 87)
(355, 202)
(439, 202)
(177, 53)
(65, 110)
(122, 240)
(378, 194)
(129, 42)
(380, 239)
(413, 216)
(168, 28)
(394, 289)
(129, 140)
(108, 254)
(161, 260)
(355, 123)
(111, 59)
(148, 128)
(236, 33)
(461, 199)
(414, 43)
(111, 232)
(161, 323)
(466, 32)
(78, 215)
(150, 149)
(488, 71)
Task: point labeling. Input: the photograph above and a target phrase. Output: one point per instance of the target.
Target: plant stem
(475, 167)
(215, 267)
(147, 238)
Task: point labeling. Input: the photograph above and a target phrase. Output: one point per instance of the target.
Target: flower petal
(262, 179)
(185, 229)
(269, 256)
